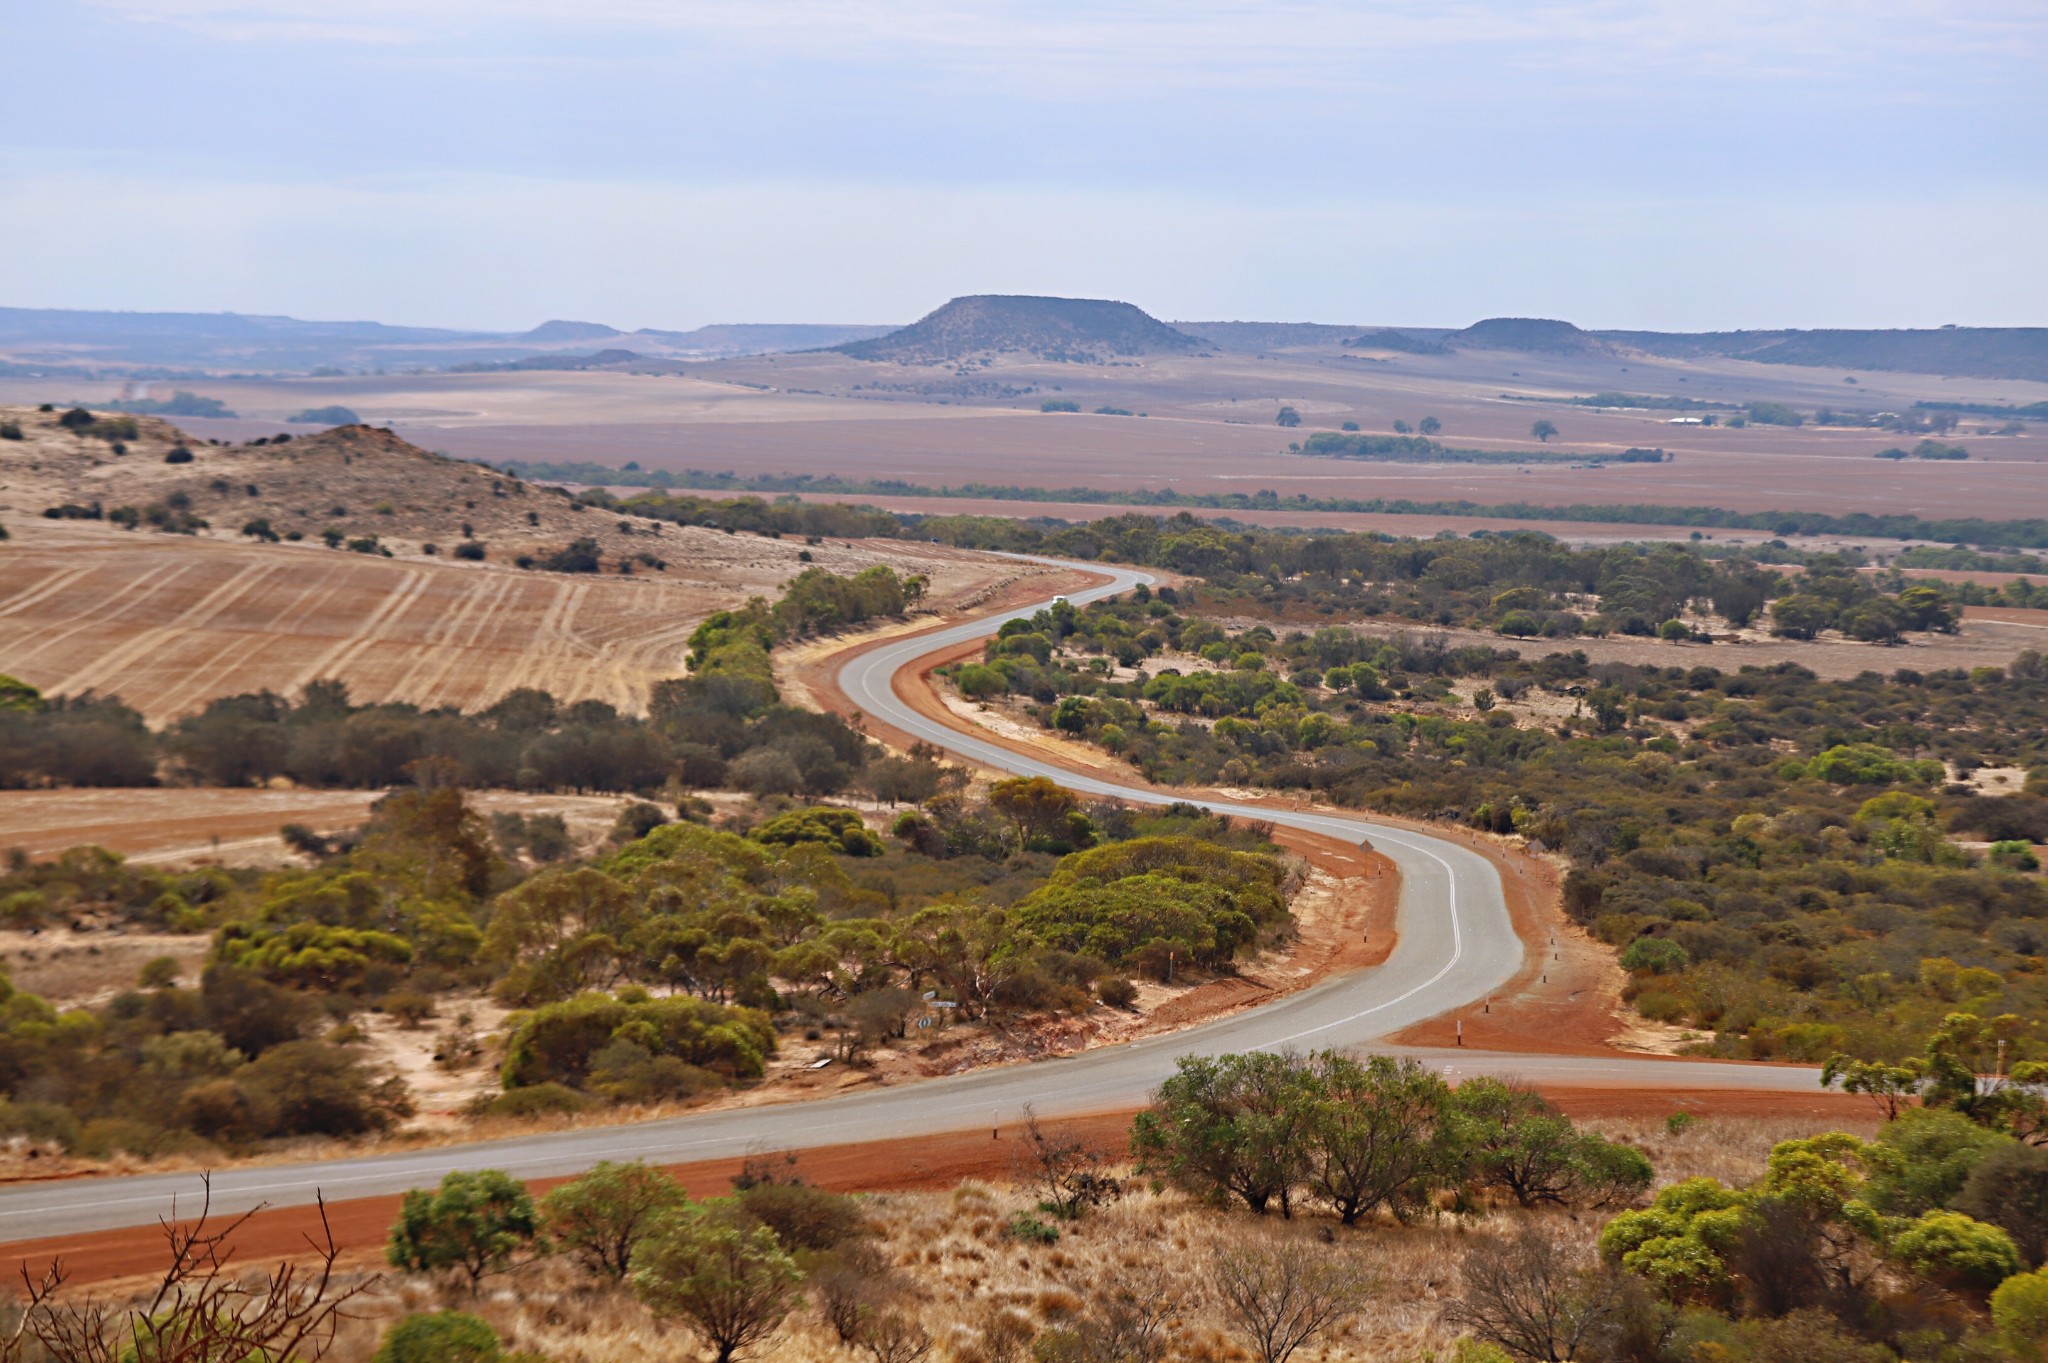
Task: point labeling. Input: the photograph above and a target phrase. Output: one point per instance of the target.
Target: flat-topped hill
(1539, 334)
(1078, 330)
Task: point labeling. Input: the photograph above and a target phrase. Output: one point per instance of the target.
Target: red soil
(927, 1162)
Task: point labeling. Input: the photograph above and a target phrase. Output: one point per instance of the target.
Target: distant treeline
(2025, 533)
(2037, 410)
(1422, 450)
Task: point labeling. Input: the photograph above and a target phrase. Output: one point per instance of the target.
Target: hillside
(360, 483)
(50, 341)
(1074, 330)
(1966, 352)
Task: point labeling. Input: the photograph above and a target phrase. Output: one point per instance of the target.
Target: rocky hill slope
(359, 487)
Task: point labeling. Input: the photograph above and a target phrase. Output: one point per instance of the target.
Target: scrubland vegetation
(663, 966)
(1275, 1208)
(667, 966)
(1787, 866)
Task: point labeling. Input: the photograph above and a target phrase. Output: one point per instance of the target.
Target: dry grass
(970, 1278)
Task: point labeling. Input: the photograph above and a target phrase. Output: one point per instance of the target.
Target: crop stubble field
(1210, 426)
(168, 622)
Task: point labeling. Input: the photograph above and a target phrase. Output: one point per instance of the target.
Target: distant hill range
(191, 345)
(1078, 330)
(178, 344)
(1968, 352)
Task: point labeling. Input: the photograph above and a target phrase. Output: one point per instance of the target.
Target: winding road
(1455, 945)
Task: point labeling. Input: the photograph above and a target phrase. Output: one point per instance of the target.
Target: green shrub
(1957, 1249)
(535, 1100)
(839, 829)
(442, 1337)
(2019, 1308)
(1655, 956)
(475, 1221)
(559, 1041)
(601, 1217)
(1027, 1227)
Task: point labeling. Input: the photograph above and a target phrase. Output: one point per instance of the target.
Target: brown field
(1210, 425)
(168, 622)
(177, 825)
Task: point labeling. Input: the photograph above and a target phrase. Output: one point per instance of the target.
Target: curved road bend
(1455, 945)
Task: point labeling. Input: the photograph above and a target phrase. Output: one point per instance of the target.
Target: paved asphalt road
(1455, 946)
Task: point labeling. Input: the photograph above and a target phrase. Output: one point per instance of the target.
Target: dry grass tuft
(983, 1296)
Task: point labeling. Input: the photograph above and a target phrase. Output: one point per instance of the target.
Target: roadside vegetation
(1272, 1208)
(667, 966)
(1787, 867)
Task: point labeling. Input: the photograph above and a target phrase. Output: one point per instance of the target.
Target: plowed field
(167, 623)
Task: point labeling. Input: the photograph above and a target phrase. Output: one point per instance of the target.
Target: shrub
(719, 1273)
(560, 1041)
(2019, 1308)
(476, 1221)
(803, 1217)
(180, 455)
(2009, 1187)
(442, 1337)
(1655, 956)
(839, 829)
(1116, 991)
(1027, 1227)
(601, 1217)
(470, 550)
(158, 972)
(536, 1100)
(1957, 1249)
(1059, 405)
(2014, 855)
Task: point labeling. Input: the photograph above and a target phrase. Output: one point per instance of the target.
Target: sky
(1667, 164)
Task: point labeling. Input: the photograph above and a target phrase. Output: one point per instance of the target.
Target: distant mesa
(325, 416)
(1541, 335)
(1075, 330)
(558, 332)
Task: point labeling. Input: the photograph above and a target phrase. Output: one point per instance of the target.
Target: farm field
(1209, 425)
(169, 622)
(162, 826)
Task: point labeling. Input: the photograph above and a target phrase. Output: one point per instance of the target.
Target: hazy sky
(1673, 164)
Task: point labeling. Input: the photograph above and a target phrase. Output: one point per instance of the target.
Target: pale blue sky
(1685, 164)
